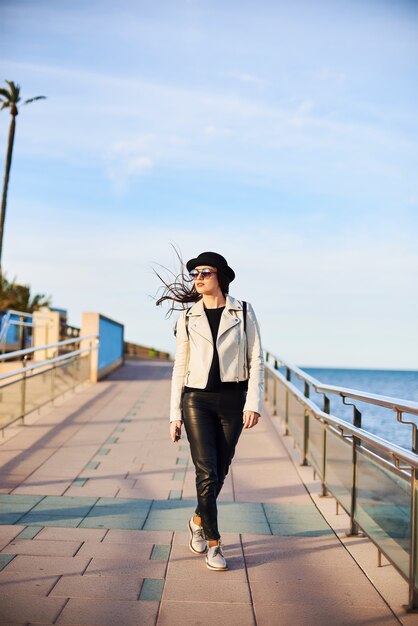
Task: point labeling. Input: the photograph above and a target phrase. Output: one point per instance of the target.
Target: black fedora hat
(213, 259)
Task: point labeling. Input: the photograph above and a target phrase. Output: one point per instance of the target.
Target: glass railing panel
(10, 403)
(281, 400)
(270, 386)
(82, 369)
(296, 420)
(38, 390)
(63, 379)
(316, 445)
(384, 508)
(339, 473)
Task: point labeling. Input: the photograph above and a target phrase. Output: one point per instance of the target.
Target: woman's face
(208, 285)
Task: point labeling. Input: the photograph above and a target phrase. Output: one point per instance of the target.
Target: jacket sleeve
(179, 368)
(255, 393)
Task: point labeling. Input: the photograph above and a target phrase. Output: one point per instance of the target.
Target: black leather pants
(213, 424)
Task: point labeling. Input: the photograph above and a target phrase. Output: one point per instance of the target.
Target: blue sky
(283, 135)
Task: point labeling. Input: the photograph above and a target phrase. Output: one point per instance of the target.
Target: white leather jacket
(194, 353)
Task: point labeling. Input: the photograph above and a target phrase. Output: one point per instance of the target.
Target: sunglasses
(205, 273)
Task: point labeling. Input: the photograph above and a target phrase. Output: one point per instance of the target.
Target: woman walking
(217, 387)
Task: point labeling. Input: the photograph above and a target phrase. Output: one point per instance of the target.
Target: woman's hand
(250, 418)
(173, 429)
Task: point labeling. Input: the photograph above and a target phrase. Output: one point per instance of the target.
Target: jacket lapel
(199, 322)
(229, 316)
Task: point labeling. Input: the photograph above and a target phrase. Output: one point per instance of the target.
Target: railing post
(305, 428)
(53, 384)
(354, 529)
(274, 396)
(266, 384)
(327, 409)
(74, 370)
(413, 563)
(286, 411)
(276, 367)
(23, 393)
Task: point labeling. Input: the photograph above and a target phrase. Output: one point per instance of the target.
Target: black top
(214, 379)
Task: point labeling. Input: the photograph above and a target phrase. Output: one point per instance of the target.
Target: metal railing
(7, 322)
(133, 350)
(373, 480)
(33, 385)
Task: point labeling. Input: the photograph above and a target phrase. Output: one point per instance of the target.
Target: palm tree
(9, 99)
(18, 297)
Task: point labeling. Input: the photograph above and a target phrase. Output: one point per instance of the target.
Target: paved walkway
(94, 502)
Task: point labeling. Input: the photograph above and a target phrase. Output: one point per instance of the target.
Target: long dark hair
(180, 289)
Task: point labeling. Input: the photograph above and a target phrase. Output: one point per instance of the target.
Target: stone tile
(71, 534)
(44, 519)
(92, 465)
(116, 550)
(138, 536)
(162, 523)
(152, 589)
(42, 548)
(64, 506)
(29, 532)
(322, 613)
(108, 613)
(215, 587)
(208, 613)
(93, 487)
(10, 518)
(23, 607)
(48, 565)
(286, 513)
(288, 544)
(97, 587)
(187, 566)
(8, 533)
(115, 505)
(179, 507)
(12, 502)
(22, 582)
(35, 486)
(301, 530)
(237, 509)
(133, 568)
(243, 526)
(127, 521)
(160, 552)
(5, 559)
(308, 587)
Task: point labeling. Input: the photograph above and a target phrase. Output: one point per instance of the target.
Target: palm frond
(5, 105)
(33, 99)
(14, 91)
(6, 94)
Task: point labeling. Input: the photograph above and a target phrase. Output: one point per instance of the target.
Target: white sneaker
(215, 559)
(198, 543)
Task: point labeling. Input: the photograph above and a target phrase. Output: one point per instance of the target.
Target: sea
(401, 384)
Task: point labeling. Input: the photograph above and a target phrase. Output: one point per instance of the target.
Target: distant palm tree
(18, 297)
(9, 99)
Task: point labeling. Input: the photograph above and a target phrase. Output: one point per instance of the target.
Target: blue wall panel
(111, 342)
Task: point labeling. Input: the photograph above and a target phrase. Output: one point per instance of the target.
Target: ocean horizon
(395, 383)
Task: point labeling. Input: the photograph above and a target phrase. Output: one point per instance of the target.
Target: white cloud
(262, 137)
